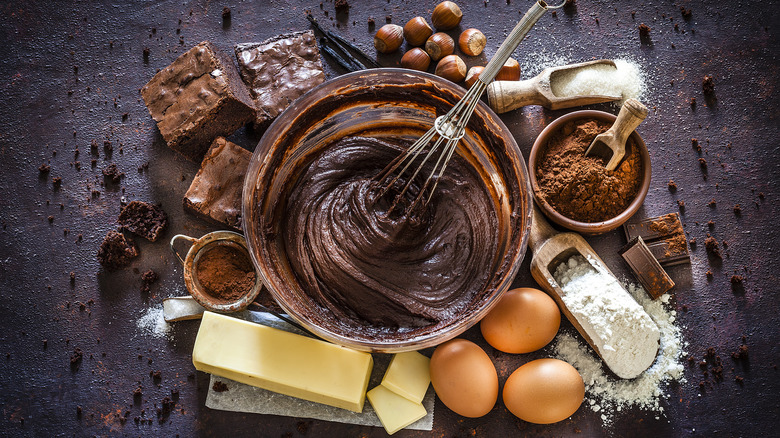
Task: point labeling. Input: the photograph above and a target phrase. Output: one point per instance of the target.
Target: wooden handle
(630, 116)
(505, 96)
(541, 231)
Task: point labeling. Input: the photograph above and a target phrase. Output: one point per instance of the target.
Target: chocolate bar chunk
(195, 99)
(116, 251)
(664, 236)
(215, 192)
(278, 71)
(143, 219)
(647, 269)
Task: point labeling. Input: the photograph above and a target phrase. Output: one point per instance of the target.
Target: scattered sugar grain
(152, 323)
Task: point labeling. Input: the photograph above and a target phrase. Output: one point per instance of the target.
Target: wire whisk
(451, 127)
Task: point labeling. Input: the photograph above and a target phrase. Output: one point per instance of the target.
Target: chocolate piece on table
(279, 70)
(195, 99)
(215, 192)
(116, 251)
(647, 269)
(143, 219)
(664, 236)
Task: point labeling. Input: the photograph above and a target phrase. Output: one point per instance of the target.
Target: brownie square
(195, 99)
(278, 71)
(215, 192)
(143, 219)
(116, 251)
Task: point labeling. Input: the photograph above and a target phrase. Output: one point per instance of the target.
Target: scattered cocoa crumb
(681, 204)
(146, 54)
(712, 246)
(342, 6)
(72, 277)
(693, 102)
(44, 168)
(672, 186)
(219, 386)
(736, 281)
(137, 392)
(692, 242)
(739, 379)
(644, 30)
(738, 210)
(155, 375)
(112, 173)
(695, 144)
(703, 164)
(147, 279)
(686, 13)
(711, 224)
(107, 147)
(761, 195)
(708, 85)
(371, 22)
(56, 182)
(226, 14)
(75, 358)
(51, 219)
(712, 203)
(741, 353)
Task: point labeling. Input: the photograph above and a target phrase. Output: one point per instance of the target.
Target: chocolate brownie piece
(278, 71)
(215, 192)
(144, 219)
(195, 99)
(116, 251)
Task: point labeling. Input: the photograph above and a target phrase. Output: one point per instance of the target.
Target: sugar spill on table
(608, 395)
(152, 323)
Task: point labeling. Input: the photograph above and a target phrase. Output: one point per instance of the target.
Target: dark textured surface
(71, 71)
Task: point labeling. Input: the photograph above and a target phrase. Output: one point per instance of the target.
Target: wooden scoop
(549, 249)
(611, 145)
(505, 96)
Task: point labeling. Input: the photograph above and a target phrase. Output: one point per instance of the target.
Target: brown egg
(464, 378)
(544, 391)
(524, 320)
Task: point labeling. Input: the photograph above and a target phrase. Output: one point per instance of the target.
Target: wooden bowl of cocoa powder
(577, 192)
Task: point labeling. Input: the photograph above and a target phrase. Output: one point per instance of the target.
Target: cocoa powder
(580, 187)
(225, 273)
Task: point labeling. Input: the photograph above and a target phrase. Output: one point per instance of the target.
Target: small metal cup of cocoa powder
(218, 271)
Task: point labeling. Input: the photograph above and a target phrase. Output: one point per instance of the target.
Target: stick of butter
(282, 362)
(408, 375)
(394, 411)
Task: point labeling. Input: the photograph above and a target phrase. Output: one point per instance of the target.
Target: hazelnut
(451, 67)
(439, 45)
(416, 31)
(446, 15)
(510, 71)
(472, 42)
(473, 74)
(388, 38)
(416, 59)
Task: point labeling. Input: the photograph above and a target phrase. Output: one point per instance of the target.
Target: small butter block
(283, 362)
(408, 375)
(395, 412)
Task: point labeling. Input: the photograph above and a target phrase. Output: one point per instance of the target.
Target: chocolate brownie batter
(362, 264)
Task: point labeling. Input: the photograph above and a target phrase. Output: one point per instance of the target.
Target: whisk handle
(512, 41)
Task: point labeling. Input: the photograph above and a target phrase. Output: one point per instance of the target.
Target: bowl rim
(259, 166)
(590, 228)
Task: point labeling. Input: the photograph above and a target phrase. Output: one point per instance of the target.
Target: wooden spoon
(549, 249)
(611, 145)
(505, 96)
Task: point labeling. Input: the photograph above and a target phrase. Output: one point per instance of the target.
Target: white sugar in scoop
(600, 79)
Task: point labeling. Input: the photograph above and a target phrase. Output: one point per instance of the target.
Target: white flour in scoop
(607, 394)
